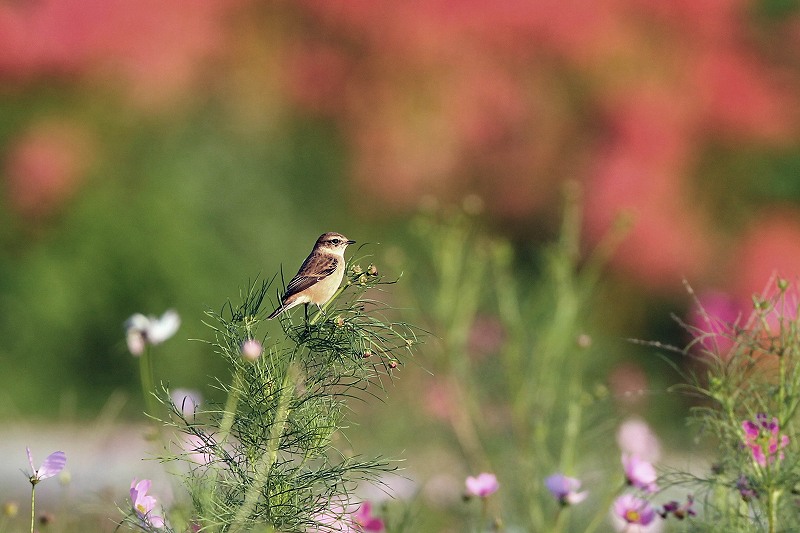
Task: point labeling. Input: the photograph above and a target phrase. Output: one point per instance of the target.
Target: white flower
(142, 330)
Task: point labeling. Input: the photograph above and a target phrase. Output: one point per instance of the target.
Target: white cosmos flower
(143, 330)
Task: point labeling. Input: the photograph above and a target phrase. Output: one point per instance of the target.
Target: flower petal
(163, 328)
(30, 461)
(53, 465)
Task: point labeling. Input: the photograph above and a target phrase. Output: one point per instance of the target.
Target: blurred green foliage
(177, 212)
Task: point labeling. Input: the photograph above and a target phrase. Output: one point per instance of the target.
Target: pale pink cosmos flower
(565, 489)
(634, 437)
(762, 437)
(630, 514)
(52, 466)
(639, 473)
(186, 401)
(483, 485)
(144, 505)
(142, 330)
(334, 518)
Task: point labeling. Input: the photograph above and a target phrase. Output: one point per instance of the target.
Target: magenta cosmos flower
(565, 489)
(763, 439)
(143, 504)
(629, 510)
(366, 521)
(483, 485)
(52, 466)
(639, 473)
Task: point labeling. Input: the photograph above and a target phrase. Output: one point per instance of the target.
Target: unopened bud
(252, 349)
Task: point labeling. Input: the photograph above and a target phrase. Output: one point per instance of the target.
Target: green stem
(772, 510)
(231, 404)
(602, 513)
(33, 505)
(264, 465)
(321, 312)
(148, 382)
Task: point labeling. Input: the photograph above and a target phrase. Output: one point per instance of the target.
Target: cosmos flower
(186, 401)
(763, 439)
(564, 489)
(143, 330)
(52, 466)
(144, 505)
(630, 514)
(639, 473)
(483, 485)
(365, 520)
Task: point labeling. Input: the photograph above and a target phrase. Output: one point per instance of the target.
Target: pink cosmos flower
(635, 437)
(712, 322)
(639, 473)
(482, 486)
(365, 520)
(762, 437)
(52, 466)
(629, 512)
(143, 504)
(564, 489)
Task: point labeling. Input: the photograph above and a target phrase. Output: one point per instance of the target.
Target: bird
(319, 276)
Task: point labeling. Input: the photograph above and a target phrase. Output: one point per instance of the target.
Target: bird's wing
(315, 268)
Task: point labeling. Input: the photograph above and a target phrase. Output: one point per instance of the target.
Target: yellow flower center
(632, 516)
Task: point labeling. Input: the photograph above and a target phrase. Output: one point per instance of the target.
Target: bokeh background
(160, 155)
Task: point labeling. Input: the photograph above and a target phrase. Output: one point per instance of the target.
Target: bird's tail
(278, 311)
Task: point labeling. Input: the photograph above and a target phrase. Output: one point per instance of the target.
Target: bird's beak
(351, 242)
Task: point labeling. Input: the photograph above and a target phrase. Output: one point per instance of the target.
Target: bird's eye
(336, 241)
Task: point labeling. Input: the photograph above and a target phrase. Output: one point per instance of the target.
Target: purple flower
(365, 520)
(639, 473)
(143, 505)
(763, 439)
(142, 330)
(482, 486)
(746, 490)
(677, 510)
(52, 466)
(628, 510)
(565, 489)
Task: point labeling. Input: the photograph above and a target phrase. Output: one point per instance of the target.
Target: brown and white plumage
(319, 276)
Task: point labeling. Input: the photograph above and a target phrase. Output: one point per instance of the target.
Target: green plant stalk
(231, 404)
(268, 458)
(772, 509)
(602, 512)
(33, 504)
(148, 382)
(321, 313)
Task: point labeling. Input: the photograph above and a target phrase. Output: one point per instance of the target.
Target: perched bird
(319, 276)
